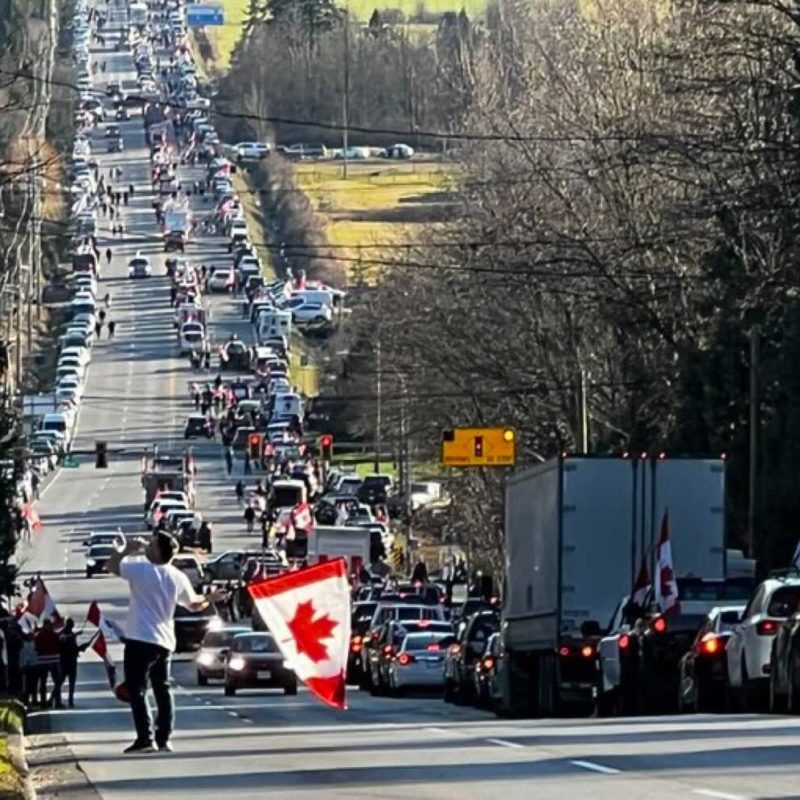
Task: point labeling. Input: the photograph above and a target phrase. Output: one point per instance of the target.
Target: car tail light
(563, 651)
(659, 625)
(624, 642)
(587, 651)
(405, 659)
(356, 643)
(767, 627)
(388, 651)
(710, 644)
(488, 663)
(433, 648)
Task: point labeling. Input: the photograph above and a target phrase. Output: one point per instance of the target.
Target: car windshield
(219, 638)
(186, 563)
(101, 551)
(254, 644)
(784, 601)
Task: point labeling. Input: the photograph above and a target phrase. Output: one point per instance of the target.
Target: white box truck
(575, 529)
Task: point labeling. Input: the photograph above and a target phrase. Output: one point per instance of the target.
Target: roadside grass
(414, 8)
(380, 203)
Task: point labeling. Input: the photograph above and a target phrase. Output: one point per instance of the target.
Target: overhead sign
(198, 16)
(479, 447)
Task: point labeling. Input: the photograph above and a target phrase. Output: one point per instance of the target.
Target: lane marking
(506, 743)
(590, 765)
(720, 795)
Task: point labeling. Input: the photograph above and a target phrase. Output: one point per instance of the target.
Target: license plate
(264, 674)
(433, 663)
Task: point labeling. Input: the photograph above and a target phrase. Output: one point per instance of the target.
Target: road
(264, 745)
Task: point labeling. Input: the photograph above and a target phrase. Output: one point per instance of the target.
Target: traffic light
(254, 445)
(326, 446)
(100, 455)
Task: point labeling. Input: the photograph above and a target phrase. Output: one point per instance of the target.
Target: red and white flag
(302, 517)
(41, 604)
(666, 583)
(30, 513)
(110, 629)
(308, 614)
(106, 629)
(642, 585)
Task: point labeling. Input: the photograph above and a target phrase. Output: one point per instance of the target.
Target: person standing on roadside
(240, 492)
(112, 326)
(156, 589)
(69, 651)
(48, 663)
(108, 255)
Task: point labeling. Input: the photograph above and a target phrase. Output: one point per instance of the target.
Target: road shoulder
(55, 771)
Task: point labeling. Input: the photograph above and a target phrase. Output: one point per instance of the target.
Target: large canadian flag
(308, 613)
(666, 583)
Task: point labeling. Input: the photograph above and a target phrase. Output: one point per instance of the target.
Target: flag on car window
(308, 614)
(666, 584)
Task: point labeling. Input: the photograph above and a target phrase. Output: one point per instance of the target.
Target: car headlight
(237, 663)
(90, 562)
(205, 658)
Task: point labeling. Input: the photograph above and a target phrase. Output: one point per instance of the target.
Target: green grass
(410, 8)
(381, 202)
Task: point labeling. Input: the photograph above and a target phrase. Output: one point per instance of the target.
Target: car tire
(230, 690)
(290, 690)
(202, 680)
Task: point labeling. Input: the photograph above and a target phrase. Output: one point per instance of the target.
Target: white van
(272, 322)
(286, 406)
(60, 421)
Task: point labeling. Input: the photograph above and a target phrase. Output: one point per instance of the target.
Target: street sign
(70, 462)
(199, 16)
(479, 447)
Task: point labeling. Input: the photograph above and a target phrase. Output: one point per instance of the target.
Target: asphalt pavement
(260, 744)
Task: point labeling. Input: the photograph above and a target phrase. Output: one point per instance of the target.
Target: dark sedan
(702, 672)
(255, 661)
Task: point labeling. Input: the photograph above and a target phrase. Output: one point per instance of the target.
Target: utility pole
(584, 413)
(379, 409)
(346, 94)
(752, 482)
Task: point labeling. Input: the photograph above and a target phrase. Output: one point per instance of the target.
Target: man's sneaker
(165, 747)
(140, 747)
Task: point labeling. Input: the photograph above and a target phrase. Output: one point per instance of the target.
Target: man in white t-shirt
(157, 587)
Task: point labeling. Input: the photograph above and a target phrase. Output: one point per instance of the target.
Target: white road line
(720, 795)
(590, 765)
(506, 743)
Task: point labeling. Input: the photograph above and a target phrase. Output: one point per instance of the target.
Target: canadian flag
(41, 605)
(302, 518)
(106, 629)
(308, 613)
(642, 585)
(30, 513)
(666, 584)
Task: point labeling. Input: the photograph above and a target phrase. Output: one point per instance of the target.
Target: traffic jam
(619, 597)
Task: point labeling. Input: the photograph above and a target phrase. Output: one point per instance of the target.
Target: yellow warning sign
(479, 447)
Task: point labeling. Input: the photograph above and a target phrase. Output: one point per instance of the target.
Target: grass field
(380, 204)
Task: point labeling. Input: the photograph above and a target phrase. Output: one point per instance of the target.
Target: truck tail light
(710, 644)
(659, 625)
(768, 627)
(624, 642)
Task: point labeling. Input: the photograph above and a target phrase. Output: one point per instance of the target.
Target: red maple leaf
(667, 577)
(309, 632)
